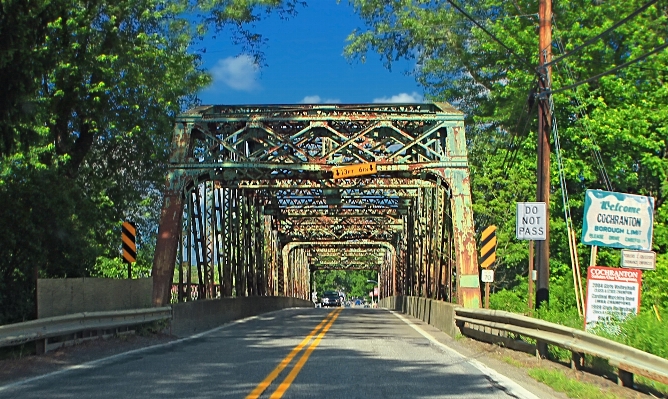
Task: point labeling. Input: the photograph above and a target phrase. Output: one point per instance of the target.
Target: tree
(352, 282)
(611, 125)
(87, 124)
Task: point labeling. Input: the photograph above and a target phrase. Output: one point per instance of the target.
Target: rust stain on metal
(470, 297)
(274, 191)
(166, 248)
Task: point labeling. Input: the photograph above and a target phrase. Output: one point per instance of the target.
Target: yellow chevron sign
(129, 232)
(488, 247)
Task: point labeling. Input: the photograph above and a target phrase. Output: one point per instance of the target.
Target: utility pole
(544, 129)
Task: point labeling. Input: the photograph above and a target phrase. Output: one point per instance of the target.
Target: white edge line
(98, 362)
(512, 387)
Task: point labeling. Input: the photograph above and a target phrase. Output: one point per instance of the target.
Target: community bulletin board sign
(612, 291)
(618, 220)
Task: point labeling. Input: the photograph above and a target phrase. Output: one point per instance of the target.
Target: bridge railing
(53, 332)
(185, 318)
(498, 326)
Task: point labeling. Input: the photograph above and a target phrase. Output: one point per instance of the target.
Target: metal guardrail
(59, 326)
(628, 360)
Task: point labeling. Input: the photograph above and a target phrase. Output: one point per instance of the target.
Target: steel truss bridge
(251, 201)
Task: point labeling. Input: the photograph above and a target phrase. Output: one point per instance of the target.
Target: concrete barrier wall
(192, 317)
(58, 297)
(436, 313)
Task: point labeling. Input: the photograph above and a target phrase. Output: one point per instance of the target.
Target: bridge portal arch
(246, 181)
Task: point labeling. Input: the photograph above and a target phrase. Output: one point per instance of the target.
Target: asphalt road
(294, 353)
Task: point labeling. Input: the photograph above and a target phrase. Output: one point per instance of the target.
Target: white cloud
(239, 73)
(310, 100)
(414, 97)
(318, 100)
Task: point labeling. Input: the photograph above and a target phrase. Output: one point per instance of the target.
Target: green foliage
(561, 308)
(353, 283)
(116, 268)
(611, 127)
(152, 328)
(90, 90)
(644, 331)
(655, 284)
(48, 232)
(559, 381)
(511, 300)
(619, 117)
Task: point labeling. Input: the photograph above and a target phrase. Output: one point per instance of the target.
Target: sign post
(530, 299)
(487, 256)
(531, 224)
(487, 277)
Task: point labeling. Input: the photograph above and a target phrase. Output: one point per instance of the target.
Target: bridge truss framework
(251, 202)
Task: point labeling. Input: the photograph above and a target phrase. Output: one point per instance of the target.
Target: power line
(515, 147)
(605, 32)
(490, 34)
(608, 72)
(594, 151)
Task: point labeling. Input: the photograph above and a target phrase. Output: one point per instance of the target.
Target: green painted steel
(252, 206)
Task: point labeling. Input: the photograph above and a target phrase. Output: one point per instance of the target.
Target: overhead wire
(526, 63)
(490, 34)
(565, 202)
(608, 72)
(515, 148)
(605, 32)
(594, 150)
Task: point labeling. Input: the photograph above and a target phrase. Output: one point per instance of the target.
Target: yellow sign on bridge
(342, 172)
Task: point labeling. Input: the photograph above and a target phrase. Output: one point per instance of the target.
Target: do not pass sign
(531, 221)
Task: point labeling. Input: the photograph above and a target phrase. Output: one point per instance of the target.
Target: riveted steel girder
(343, 192)
(369, 213)
(361, 184)
(273, 189)
(351, 203)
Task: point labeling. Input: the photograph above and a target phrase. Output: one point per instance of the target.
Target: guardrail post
(40, 346)
(577, 360)
(541, 350)
(624, 378)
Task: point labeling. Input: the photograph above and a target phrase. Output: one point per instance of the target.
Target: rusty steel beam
(357, 192)
(376, 183)
(344, 267)
(273, 165)
(171, 215)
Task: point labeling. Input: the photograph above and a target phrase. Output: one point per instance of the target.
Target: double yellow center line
(278, 393)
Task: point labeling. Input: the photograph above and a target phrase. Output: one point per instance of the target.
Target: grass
(17, 352)
(512, 361)
(152, 328)
(659, 387)
(559, 381)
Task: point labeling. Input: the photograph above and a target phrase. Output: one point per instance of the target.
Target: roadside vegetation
(354, 283)
(648, 331)
(559, 381)
(611, 133)
(90, 90)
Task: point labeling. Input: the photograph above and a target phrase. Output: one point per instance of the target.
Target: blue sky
(305, 64)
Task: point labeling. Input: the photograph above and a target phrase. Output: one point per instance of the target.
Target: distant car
(330, 298)
(358, 303)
